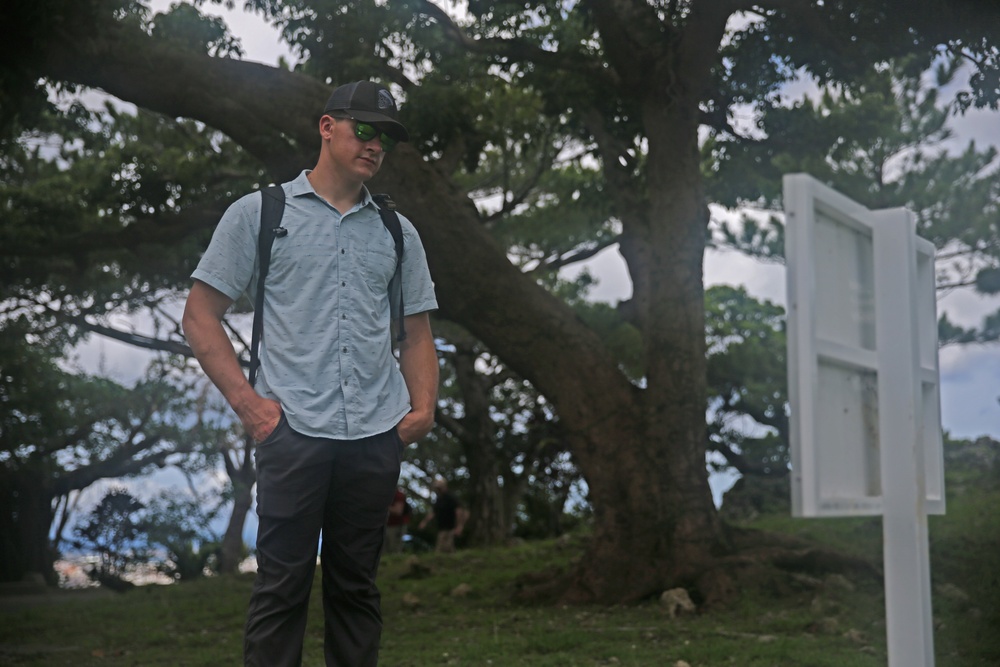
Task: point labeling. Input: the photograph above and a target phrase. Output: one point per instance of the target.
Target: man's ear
(326, 124)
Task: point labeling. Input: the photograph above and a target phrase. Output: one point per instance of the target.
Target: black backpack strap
(387, 211)
(272, 207)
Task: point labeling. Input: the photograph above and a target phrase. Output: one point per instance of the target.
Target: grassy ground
(434, 620)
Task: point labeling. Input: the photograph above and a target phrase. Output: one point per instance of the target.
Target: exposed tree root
(770, 562)
(775, 564)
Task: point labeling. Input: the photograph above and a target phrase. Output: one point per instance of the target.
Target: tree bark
(25, 518)
(488, 525)
(243, 476)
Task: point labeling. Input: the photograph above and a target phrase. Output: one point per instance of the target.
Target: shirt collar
(301, 186)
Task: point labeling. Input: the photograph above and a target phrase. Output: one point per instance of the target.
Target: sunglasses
(366, 132)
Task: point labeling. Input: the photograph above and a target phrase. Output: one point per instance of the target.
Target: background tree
(509, 442)
(884, 142)
(105, 211)
(114, 532)
(181, 526)
(747, 379)
(62, 432)
(236, 452)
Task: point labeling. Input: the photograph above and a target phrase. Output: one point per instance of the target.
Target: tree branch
(743, 466)
(452, 425)
(128, 64)
(135, 339)
(542, 166)
(141, 340)
(515, 50)
(578, 256)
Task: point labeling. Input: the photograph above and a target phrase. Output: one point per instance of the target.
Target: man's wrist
(423, 418)
(244, 400)
(419, 425)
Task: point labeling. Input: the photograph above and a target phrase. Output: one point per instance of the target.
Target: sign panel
(930, 378)
(833, 357)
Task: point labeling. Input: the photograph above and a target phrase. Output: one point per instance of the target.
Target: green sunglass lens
(365, 132)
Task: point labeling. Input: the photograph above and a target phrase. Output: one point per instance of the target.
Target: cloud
(261, 42)
(112, 359)
(970, 392)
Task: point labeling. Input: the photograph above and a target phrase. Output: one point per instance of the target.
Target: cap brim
(391, 127)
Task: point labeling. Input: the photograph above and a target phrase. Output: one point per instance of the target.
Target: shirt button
(343, 284)
(343, 349)
(343, 317)
(343, 250)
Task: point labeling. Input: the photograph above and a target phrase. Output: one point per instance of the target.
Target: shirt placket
(346, 271)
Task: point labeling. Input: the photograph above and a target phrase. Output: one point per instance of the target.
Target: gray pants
(308, 486)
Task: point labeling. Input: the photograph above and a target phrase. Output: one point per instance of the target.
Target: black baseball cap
(368, 102)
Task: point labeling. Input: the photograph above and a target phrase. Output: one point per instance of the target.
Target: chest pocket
(298, 257)
(380, 265)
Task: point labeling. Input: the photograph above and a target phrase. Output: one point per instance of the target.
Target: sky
(970, 375)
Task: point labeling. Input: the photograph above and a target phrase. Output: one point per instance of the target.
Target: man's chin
(369, 169)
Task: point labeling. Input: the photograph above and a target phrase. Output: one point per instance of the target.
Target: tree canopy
(501, 99)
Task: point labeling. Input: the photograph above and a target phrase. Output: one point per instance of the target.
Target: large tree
(632, 83)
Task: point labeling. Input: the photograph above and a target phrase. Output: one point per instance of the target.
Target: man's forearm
(211, 346)
(419, 365)
(214, 351)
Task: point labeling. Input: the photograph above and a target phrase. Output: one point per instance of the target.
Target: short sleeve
(418, 287)
(228, 264)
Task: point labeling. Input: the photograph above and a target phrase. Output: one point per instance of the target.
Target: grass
(838, 624)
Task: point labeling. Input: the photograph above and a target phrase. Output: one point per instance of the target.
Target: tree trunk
(242, 476)
(232, 549)
(487, 520)
(650, 489)
(487, 525)
(26, 513)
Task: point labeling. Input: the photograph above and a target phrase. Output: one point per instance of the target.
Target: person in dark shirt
(450, 516)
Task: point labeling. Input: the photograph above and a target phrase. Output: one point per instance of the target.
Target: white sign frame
(835, 316)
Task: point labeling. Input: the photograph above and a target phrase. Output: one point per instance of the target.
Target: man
(450, 515)
(332, 412)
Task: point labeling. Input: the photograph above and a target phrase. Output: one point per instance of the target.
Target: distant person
(448, 513)
(333, 410)
(396, 524)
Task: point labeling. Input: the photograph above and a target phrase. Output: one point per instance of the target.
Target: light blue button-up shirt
(326, 353)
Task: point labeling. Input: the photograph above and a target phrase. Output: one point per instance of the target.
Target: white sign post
(863, 388)
(904, 518)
